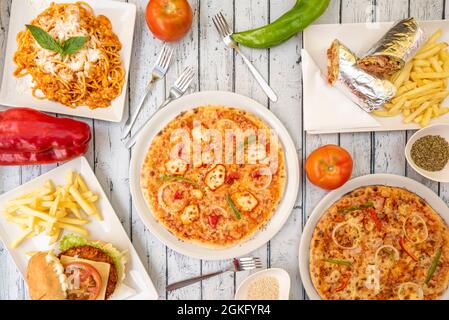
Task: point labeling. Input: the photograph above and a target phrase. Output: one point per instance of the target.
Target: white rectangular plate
(359, 37)
(108, 230)
(16, 92)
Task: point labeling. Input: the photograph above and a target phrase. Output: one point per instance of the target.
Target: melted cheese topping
(61, 29)
(190, 214)
(352, 258)
(176, 166)
(245, 201)
(208, 186)
(215, 178)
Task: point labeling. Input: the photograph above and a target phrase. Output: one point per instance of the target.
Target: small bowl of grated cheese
(269, 284)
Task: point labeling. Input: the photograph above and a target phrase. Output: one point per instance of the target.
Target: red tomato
(84, 281)
(213, 220)
(169, 20)
(233, 175)
(256, 174)
(329, 167)
(177, 195)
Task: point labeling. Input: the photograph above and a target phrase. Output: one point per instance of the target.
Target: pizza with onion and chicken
(380, 242)
(213, 203)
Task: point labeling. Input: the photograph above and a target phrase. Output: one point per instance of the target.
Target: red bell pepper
(233, 175)
(213, 220)
(344, 282)
(373, 215)
(29, 137)
(177, 195)
(407, 249)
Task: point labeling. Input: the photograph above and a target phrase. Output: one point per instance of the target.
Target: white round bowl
(280, 274)
(220, 98)
(373, 179)
(437, 129)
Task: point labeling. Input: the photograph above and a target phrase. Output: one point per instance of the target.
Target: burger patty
(95, 254)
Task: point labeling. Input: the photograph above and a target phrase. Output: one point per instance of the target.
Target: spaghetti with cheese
(92, 76)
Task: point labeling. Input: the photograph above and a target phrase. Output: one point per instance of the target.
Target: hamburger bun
(43, 281)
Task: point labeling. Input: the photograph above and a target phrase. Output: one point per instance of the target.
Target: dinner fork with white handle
(159, 70)
(176, 91)
(239, 264)
(225, 31)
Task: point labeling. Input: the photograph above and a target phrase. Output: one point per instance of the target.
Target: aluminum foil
(399, 44)
(366, 90)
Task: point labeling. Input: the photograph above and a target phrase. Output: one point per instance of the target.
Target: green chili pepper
(434, 266)
(233, 207)
(338, 261)
(354, 208)
(296, 19)
(167, 177)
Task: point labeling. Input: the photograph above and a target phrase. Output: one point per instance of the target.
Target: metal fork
(225, 31)
(159, 70)
(176, 91)
(240, 264)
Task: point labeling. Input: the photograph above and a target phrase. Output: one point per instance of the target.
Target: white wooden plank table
(219, 69)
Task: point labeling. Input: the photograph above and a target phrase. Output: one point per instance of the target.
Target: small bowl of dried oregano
(427, 152)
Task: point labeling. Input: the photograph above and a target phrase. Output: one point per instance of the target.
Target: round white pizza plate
(373, 179)
(229, 99)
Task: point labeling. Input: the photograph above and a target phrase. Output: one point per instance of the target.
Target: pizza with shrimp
(380, 242)
(214, 176)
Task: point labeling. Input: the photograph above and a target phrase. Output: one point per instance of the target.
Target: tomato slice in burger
(84, 281)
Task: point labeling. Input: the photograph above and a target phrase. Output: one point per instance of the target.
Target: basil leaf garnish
(46, 41)
(73, 44)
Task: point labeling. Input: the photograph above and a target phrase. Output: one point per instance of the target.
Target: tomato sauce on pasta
(92, 76)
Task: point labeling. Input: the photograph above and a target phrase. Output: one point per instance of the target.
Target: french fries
(52, 209)
(421, 85)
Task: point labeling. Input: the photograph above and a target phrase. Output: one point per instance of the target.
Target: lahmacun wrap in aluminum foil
(394, 49)
(366, 90)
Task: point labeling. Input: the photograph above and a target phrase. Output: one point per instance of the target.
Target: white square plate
(108, 230)
(17, 91)
(359, 37)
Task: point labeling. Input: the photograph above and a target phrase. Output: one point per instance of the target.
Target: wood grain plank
(358, 144)
(389, 155)
(285, 79)
(424, 10)
(311, 193)
(145, 50)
